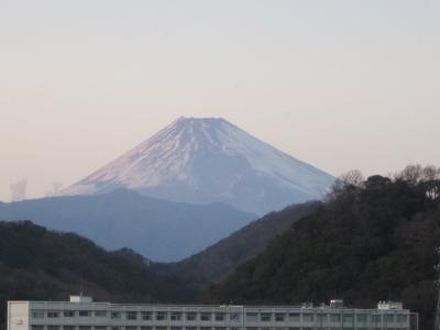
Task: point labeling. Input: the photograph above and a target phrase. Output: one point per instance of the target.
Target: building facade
(81, 313)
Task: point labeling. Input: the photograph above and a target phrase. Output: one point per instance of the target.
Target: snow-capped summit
(209, 160)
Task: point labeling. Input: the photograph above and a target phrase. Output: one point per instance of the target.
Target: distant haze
(339, 84)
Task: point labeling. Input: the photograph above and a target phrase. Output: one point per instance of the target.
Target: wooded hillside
(372, 240)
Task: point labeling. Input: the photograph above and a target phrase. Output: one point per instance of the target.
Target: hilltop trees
(373, 239)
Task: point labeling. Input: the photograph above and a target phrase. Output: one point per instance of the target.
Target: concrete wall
(18, 315)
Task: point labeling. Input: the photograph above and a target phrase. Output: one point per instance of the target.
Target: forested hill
(39, 264)
(215, 262)
(372, 240)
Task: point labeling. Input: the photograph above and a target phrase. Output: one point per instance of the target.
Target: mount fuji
(209, 160)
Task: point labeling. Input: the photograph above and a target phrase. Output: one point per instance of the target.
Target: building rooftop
(334, 304)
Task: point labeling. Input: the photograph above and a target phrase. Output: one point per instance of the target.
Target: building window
(402, 318)
(205, 316)
(37, 327)
(69, 313)
(377, 318)
(266, 317)
(100, 327)
(223, 328)
(176, 316)
(348, 318)
(250, 328)
(53, 327)
(220, 316)
(38, 315)
(251, 316)
(294, 317)
(322, 318)
(161, 328)
(146, 316)
(53, 315)
(190, 328)
(176, 328)
(116, 328)
(130, 328)
(308, 317)
(115, 316)
(335, 318)
(131, 316)
(279, 317)
(161, 316)
(69, 327)
(146, 328)
(191, 316)
(84, 313)
(361, 317)
(234, 317)
(85, 327)
(101, 313)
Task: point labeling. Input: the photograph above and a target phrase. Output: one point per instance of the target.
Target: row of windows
(159, 316)
(56, 314)
(207, 316)
(103, 327)
(323, 317)
(69, 327)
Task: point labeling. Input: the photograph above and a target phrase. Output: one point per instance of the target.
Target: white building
(81, 313)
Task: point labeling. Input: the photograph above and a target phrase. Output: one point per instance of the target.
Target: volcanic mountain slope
(202, 161)
(160, 230)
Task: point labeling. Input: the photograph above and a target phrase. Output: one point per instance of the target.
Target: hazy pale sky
(339, 84)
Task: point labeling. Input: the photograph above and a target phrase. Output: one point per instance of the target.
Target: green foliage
(371, 240)
(39, 264)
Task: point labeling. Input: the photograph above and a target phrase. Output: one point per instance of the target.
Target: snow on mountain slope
(209, 160)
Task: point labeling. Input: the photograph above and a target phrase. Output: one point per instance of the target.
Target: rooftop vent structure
(384, 305)
(80, 299)
(336, 303)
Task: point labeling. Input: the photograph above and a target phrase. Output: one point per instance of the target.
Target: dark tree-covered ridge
(39, 264)
(372, 240)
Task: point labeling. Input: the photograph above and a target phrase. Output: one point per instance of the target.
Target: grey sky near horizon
(339, 84)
